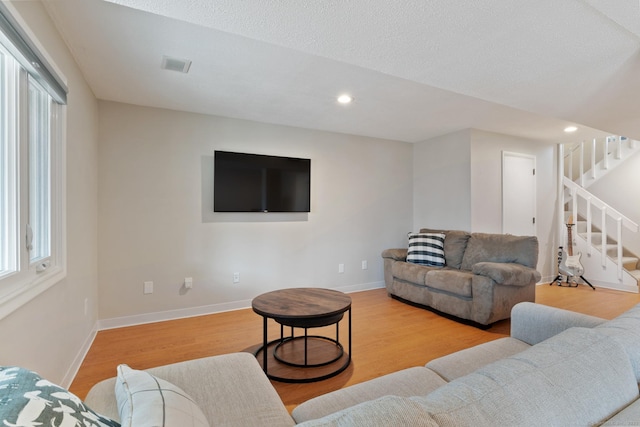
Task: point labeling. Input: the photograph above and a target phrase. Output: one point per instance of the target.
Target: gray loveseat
(485, 275)
(557, 368)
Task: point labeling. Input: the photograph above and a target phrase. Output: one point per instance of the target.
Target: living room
(138, 207)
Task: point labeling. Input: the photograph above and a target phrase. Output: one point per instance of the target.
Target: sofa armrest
(230, 389)
(534, 323)
(395, 254)
(507, 273)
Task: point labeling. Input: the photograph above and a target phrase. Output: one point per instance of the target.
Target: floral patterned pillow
(28, 400)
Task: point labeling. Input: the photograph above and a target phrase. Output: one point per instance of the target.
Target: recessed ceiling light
(345, 99)
(570, 129)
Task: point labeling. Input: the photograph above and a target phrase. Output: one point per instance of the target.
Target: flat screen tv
(258, 183)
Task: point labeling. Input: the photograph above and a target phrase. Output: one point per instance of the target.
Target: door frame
(505, 155)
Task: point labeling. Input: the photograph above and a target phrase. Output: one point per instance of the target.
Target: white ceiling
(417, 68)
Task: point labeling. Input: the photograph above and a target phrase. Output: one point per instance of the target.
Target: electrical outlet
(364, 264)
(148, 288)
(236, 277)
(188, 282)
(340, 268)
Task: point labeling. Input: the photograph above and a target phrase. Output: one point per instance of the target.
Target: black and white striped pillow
(426, 249)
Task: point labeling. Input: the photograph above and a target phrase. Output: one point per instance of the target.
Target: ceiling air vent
(175, 64)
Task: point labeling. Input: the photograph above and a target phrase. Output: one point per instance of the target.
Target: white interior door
(518, 194)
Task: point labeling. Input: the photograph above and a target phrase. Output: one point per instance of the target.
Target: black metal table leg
(264, 345)
(306, 348)
(349, 355)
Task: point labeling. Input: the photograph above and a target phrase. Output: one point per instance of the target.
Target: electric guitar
(570, 264)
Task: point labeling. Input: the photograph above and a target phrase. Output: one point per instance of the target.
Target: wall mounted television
(258, 183)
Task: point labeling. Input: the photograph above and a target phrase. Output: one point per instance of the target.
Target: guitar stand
(558, 280)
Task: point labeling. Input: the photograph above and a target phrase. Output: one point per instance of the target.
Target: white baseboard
(161, 316)
(615, 286)
(545, 280)
(77, 361)
(360, 287)
(600, 284)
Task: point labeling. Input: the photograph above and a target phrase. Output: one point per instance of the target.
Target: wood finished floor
(388, 335)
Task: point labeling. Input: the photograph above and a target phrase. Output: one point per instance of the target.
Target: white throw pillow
(426, 249)
(145, 400)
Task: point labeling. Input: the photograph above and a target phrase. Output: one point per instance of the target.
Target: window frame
(7, 177)
(24, 278)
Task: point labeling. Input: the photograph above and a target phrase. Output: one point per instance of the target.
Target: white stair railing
(606, 212)
(603, 154)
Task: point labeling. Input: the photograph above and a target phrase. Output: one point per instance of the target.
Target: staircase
(585, 163)
(599, 228)
(628, 260)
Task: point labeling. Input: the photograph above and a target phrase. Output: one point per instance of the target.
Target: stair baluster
(575, 192)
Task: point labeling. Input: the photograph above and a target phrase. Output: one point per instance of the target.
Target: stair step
(635, 274)
(612, 249)
(629, 262)
(596, 237)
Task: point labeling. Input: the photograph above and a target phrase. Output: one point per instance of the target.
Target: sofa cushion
(416, 381)
(625, 329)
(455, 243)
(412, 273)
(484, 247)
(450, 281)
(578, 377)
(466, 361)
(383, 412)
(145, 400)
(28, 400)
(426, 249)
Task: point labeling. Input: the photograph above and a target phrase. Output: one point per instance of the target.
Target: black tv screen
(258, 183)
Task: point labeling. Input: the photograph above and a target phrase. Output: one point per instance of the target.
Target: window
(8, 168)
(5, 199)
(32, 148)
(39, 228)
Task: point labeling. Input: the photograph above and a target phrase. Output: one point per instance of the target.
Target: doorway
(518, 194)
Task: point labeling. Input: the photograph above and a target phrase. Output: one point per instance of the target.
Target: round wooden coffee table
(303, 308)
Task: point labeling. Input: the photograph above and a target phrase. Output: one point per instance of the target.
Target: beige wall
(442, 182)
(458, 185)
(156, 221)
(50, 333)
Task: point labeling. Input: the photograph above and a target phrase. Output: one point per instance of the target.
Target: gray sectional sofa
(557, 368)
(484, 275)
